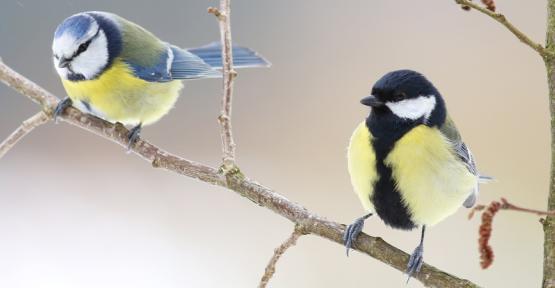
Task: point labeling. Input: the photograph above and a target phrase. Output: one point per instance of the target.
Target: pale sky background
(77, 211)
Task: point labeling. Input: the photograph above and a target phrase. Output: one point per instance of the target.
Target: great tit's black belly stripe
(387, 200)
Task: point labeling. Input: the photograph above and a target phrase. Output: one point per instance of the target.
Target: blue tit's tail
(242, 57)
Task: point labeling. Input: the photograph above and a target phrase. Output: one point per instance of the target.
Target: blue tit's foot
(133, 136)
(61, 107)
(417, 257)
(352, 232)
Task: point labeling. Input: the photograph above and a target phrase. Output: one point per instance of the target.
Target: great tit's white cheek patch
(94, 59)
(414, 108)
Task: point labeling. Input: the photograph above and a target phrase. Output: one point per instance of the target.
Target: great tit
(117, 70)
(407, 160)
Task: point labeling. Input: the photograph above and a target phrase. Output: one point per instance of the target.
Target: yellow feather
(362, 165)
(118, 96)
(432, 181)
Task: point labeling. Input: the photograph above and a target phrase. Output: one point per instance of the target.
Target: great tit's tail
(482, 179)
(242, 57)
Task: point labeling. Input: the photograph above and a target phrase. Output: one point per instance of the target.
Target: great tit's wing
(449, 130)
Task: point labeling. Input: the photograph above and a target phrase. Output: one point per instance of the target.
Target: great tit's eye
(398, 96)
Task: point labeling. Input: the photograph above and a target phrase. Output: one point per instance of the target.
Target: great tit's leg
(61, 107)
(352, 232)
(417, 257)
(133, 136)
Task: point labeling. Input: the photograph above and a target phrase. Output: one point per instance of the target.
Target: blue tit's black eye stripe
(84, 46)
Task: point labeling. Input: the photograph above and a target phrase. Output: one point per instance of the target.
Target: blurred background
(77, 211)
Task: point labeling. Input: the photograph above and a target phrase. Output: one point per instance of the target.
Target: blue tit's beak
(371, 101)
(64, 62)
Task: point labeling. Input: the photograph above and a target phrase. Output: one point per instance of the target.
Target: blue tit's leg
(417, 257)
(61, 107)
(352, 232)
(133, 136)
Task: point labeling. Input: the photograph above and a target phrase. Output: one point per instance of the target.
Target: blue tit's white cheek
(93, 60)
(415, 108)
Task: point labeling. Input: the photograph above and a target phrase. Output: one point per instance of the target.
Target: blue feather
(196, 63)
(184, 66)
(187, 65)
(242, 57)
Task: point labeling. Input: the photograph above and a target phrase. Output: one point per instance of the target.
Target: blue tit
(407, 161)
(117, 70)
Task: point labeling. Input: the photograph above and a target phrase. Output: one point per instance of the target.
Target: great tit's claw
(352, 232)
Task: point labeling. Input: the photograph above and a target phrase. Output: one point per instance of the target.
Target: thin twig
(486, 227)
(545, 53)
(228, 144)
(278, 252)
(25, 128)
(258, 194)
(506, 205)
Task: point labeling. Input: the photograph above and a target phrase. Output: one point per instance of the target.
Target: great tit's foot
(133, 136)
(61, 107)
(415, 261)
(352, 232)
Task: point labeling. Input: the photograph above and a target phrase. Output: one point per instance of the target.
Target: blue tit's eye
(83, 47)
(57, 57)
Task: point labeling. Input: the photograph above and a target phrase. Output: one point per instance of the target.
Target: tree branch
(549, 223)
(548, 55)
(278, 252)
(260, 195)
(503, 20)
(228, 144)
(25, 128)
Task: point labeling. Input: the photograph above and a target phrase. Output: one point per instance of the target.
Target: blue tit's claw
(133, 136)
(415, 261)
(352, 232)
(61, 107)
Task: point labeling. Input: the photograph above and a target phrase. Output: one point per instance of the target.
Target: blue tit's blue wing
(174, 64)
(186, 65)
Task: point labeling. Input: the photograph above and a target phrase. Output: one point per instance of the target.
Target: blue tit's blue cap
(77, 25)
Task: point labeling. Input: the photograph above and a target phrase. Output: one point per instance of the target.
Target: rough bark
(549, 223)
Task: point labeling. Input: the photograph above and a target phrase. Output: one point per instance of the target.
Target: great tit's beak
(64, 62)
(371, 101)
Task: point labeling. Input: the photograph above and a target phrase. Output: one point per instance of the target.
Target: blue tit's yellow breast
(428, 174)
(362, 165)
(117, 95)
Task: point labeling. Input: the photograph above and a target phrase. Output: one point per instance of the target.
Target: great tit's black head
(406, 94)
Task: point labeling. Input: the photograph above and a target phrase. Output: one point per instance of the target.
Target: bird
(407, 161)
(117, 70)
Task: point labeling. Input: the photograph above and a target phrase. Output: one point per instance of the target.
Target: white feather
(91, 62)
(421, 106)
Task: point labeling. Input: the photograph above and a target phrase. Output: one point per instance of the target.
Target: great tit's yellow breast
(428, 174)
(118, 96)
(362, 165)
